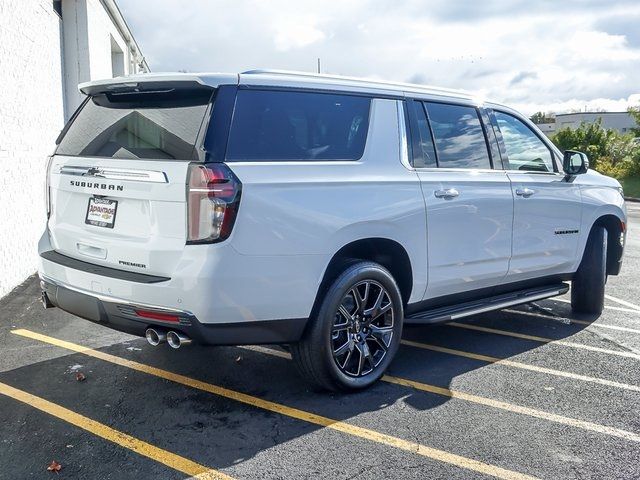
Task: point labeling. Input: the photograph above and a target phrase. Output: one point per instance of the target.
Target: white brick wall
(31, 116)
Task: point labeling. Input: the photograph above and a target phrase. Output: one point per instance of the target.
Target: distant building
(47, 47)
(623, 122)
(620, 121)
(547, 128)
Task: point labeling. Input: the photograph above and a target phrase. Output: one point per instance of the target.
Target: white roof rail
(382, 83)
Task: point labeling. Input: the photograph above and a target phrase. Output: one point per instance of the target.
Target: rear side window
(460, 141)
(284, 125)
(157, 125)
(424, 153)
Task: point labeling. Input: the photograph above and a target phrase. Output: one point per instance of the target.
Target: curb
(632, 199)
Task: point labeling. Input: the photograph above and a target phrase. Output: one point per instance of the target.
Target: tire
(587, 286)
(351, 340)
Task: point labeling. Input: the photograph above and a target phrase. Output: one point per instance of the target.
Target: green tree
(541, 117)
(635, 114)
(537, 117)
(609, 152)
(589, 138)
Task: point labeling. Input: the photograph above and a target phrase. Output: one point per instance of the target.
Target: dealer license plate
(101, 212)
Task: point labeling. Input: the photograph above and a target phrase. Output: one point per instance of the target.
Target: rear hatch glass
(118, 179)
(154, 125)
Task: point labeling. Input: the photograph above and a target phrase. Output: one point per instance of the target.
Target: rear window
(158, 125)
(284, 125)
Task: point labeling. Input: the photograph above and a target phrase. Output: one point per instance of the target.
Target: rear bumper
(121, 315)
(214, 282)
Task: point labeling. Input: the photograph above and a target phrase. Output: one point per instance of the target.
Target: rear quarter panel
(298, 209)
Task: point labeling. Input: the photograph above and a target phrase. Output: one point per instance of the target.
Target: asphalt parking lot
(529, 392)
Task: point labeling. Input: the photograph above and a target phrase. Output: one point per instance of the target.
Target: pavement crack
(610, 341)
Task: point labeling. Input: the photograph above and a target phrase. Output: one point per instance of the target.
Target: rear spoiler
(150, 82)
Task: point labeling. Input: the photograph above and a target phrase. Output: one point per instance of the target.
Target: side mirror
(575, 163)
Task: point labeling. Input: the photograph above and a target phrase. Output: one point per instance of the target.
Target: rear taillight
(47, 186)
(213, 197)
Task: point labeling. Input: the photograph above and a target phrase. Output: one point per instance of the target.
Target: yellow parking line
(140, 447)
(388, 440)
(446, 392)
(523, 366)
(571, 320)
(534, 338)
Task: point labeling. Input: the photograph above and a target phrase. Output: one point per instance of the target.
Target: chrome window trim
(455, 170)
(532, 172)
(111, 173)
(404, 138)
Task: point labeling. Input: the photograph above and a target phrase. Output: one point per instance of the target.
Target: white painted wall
(31, 115)
(89, 32)
(42, 60)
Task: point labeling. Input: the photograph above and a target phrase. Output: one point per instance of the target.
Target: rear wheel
(355, 334)
(587, 286)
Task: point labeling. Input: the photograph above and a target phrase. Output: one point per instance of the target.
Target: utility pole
(318, 64)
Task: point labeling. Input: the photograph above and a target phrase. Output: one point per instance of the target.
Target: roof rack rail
(293, 73)
(270, 71)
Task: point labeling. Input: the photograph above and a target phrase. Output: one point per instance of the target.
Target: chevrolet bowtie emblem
(94, 172)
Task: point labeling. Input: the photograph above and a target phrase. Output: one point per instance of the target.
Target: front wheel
(587, 286)
(355, 334)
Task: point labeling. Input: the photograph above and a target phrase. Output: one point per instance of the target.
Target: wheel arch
(615, 227)
(388, 253)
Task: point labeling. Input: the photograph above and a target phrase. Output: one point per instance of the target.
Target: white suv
(315, 211)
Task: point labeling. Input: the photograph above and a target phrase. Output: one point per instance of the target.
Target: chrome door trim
(524, 192)
(447, 193)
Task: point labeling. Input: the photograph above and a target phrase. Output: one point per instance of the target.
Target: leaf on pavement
(54, 467)
(80, 377)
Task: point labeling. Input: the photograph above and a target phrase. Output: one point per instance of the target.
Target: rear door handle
(525, 192)
(448, 193)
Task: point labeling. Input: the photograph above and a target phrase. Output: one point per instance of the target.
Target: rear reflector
(163, 317)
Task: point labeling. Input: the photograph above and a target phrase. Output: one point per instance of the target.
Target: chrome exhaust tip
(155, 336)
(177, 339)
(44, 299)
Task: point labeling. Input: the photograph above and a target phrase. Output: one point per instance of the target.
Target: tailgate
(143, 205)
(117, 182)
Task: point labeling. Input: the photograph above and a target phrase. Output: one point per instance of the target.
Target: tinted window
(459, 137)
(524, 148)
(424, 154)
(161, 125)
(279, 125)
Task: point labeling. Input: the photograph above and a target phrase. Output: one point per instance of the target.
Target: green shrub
(621, 169)
(609, 152)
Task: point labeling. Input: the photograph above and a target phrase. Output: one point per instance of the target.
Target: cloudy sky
(534, 55)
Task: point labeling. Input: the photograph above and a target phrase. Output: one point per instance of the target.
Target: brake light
(47, 186)
(213, 197)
